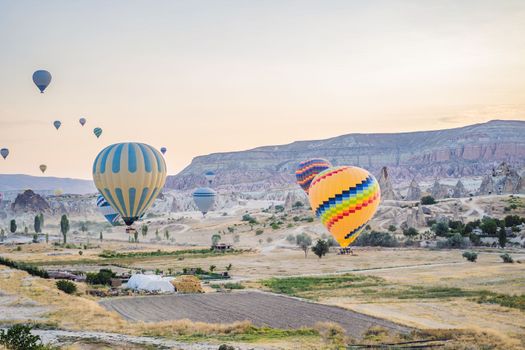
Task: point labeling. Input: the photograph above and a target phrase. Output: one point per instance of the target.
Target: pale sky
(212, 76)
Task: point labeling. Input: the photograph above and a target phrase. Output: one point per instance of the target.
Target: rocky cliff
(468, 151)
(29, 201)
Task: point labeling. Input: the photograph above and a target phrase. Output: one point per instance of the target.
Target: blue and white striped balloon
(105, 209)
(204, 198)
(130, 175)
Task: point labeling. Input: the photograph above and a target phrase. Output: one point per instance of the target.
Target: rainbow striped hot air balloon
(130, 176)
(345, 198)
(308, 169)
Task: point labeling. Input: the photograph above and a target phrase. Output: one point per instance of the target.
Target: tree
(229, 267)
(101, 237)
(47, 238)
(428, 200)
(41, 219)
(64, 227)
(2, 235)
(489, 226)
(440, 229)
(506, 258)
(215, 239)
(19, 337)
(38, 225)
(136, 236)
(320, 248)
(212, 268)
(304, 242)
(67, 287)
(167, 234)
(392, 228)
(144, 230)
(12, 226)
(410, 232)
(83, 227)
(502, 236)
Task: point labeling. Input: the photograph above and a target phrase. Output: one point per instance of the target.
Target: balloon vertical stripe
(132, 159)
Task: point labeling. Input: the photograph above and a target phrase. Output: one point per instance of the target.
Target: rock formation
(29, 201)
(439, 191)
(459, 190)
(414, 192)
(503, 179)
(387, 190)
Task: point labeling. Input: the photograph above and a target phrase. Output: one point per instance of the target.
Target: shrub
(376, 239)
(455, 241)
(290, 238)
(102, 277)
(506, 258)
(409, 232)
(470, 256)
(259, 232)
(30, 269)
(19, 337)
(226, 347)
(320, 248)
(67, 287)
(298, 204)
(440, 229)
(279, 208)
(489, 226)
(428, 200)
(250, 219)
(275, 226)
(392, 228)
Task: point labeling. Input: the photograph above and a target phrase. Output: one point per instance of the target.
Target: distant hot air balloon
(58, 192)
(163, 150)
(345, 198)
(57, 124)
(4, 152)
(97, 132)
(107, 211)
(41, 78)
(210, 176)
(308, 169)
(130, 175)
(204, 198)
(82, 121)
(43, 168)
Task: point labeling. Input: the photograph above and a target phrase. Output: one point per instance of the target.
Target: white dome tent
(151, 283)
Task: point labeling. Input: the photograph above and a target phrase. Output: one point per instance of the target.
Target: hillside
(467, 151)
(17, 182)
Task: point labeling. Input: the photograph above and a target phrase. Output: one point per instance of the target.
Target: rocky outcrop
(503, 179)
(414, 191)
(297, 196)
(467, 151)
(459, 190)
(29, 201)
(387, 190)
(416, 217)
(439, 191)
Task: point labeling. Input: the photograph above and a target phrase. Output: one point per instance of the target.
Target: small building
(222, 247)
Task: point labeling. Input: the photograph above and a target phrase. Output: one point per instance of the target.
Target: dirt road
(262, 309)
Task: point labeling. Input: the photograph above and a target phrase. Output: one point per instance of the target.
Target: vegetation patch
(29, 268)
(512, 301)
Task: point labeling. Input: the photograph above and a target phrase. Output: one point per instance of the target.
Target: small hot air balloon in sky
(82, 121)
(308, 169)
(97, 132)
(57, 124)
(163, 150)
(345, 198)
(107, 211)
(129, 175)
(204, 198)
(210, 176)
(43, 168)
(4, 152)
(41, 78)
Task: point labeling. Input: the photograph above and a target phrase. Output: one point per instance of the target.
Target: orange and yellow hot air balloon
(345, 198)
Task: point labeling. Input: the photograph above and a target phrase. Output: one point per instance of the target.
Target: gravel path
(262, 309)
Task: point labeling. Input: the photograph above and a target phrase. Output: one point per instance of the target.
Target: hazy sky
(209, 76)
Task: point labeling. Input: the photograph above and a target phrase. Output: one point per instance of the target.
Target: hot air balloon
(163, 150)
(97, 132)
(107, 211)
(204, 198)
(210, 176)
(82, 121)
(57, 124)
(345, 198)
(4, 152)
(43, 168)
(308, 169)
(41, 78)
(129, 175)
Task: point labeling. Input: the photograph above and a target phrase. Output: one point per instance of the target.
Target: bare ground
(262, 309)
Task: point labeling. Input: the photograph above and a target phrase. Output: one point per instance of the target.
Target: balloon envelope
(345, 198)
(57, 124)
(43, 168)
(107, 211)
(210, 176)
(97, 132)
(308, 169)
(4, 152)
(82, 121)
(163, 150)
(130, 175)
(41, 78)
(204, 198)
